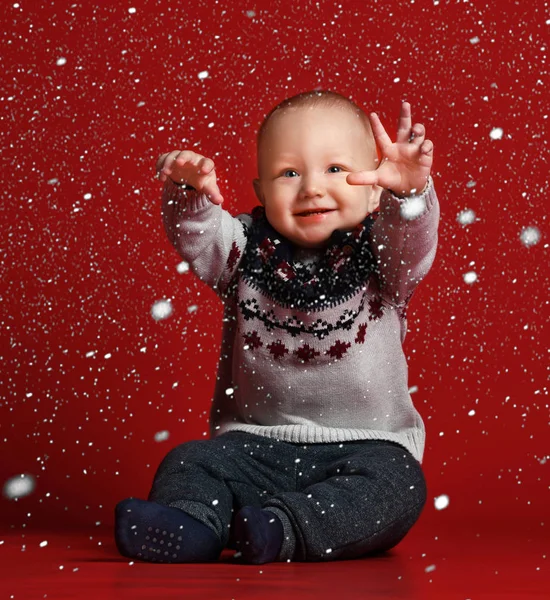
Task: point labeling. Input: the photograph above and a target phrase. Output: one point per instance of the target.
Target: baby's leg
(196, 489)
(166, 528)
(368, 496)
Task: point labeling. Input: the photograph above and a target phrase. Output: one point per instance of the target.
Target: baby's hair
(326, 98)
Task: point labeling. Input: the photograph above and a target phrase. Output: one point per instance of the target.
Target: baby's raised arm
(204, 234)
(404, 237)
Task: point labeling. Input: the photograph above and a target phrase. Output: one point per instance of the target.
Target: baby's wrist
(407, 194)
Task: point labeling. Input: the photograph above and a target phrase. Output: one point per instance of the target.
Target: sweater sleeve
(205, 235)
(404, 242)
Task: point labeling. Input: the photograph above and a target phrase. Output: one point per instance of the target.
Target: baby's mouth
(307, 213)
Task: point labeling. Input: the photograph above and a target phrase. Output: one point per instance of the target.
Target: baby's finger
(212, 192)
(169, 161)
(418, 132)
(206, 165)
(404, 123)
(160, 161)
(381, 138)
(427, 147)
(159, 166)
(362, 178)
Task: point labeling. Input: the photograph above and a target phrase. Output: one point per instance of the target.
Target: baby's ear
(258, 190)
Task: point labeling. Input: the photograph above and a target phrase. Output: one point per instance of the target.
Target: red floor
(473, 561)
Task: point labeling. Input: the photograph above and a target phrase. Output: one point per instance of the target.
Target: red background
(80, 275)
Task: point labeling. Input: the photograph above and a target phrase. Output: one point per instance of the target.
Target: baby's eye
(334, 169)
(290, 173)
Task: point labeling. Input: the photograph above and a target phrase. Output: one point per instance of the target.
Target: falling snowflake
(182, 267)
(61, 61)
(530, 236)
(430, 568)
(470, 277)
(162, 436)
(19, 486)
(441, 502)
(161, 309)
(413, 207)
(474, 40)
(496, 133)
(192, 308)
(203, 75)
(466, 216)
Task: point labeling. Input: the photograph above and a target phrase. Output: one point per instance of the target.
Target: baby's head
(307, 145)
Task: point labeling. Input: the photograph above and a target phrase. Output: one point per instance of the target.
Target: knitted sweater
(312, 340)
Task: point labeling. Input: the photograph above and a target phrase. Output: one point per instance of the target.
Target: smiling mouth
(308, 213)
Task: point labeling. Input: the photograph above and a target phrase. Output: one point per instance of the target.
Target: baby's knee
(195, 452)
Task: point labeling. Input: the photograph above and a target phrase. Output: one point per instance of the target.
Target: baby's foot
(157, 533)
(258, 534)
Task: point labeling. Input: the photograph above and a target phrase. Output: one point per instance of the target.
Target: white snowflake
(161, 309)
(413, 207)
(182, 267)
(466, 216)
(19, 486)
(470, 277)
(496, 133)
(162, 436)
(530, 236)
(441, 502)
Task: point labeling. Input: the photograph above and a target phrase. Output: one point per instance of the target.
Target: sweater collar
(272, 265)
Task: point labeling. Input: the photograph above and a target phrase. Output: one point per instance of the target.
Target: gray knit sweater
(326, 369)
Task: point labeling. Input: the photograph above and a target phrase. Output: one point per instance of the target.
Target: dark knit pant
(335, 501)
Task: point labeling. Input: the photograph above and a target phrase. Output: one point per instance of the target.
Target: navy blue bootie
(258, 535)
(156, 533)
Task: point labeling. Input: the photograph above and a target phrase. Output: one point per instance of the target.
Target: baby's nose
(312, 186)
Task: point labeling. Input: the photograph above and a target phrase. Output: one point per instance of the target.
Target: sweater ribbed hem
(412, 440)
(398, 202)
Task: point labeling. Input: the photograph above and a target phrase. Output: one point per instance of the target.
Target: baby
(316, 447)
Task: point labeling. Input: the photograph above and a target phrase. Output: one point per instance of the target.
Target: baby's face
(303, 160)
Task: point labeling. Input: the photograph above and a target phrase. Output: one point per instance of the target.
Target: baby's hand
(406, 163)
(192, 169)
